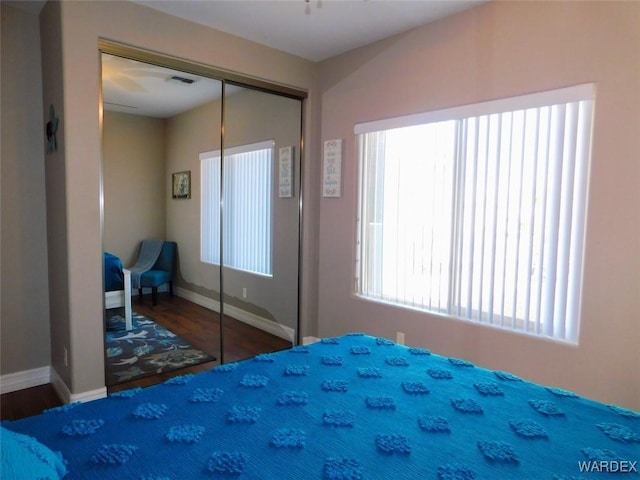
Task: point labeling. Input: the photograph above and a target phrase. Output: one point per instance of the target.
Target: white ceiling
(330, 27)
(142, 89)
(313, 29)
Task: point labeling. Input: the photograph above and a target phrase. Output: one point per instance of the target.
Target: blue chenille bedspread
(113, 276)
(352, 407)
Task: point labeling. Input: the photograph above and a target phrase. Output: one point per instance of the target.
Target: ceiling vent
(179, 79)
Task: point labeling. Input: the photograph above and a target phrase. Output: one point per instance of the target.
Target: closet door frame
(226, 77)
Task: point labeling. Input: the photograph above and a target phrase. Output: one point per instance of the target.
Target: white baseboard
(60, 387)
(264, 324)
(67, 397)
(12, 382)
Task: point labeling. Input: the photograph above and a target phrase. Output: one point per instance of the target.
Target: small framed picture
(181, 182)
(286, 172)
(332, 168)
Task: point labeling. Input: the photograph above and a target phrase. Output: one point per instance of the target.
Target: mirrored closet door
(261, 218)
(212, 166)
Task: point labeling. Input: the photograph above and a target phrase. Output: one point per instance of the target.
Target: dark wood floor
(197, 325)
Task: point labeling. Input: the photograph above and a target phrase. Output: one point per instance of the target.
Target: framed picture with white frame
(332, 168)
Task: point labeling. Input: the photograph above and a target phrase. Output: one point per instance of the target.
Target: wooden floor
(197, 325)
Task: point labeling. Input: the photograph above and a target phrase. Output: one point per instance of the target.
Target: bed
(117, 283)
(350, 407)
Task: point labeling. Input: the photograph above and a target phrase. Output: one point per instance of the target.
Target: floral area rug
(146, 349)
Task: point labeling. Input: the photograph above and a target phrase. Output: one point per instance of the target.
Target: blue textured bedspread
(345, 408)
(113, 276)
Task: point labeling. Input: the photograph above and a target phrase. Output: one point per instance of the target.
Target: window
(478, 212)
(247, 207)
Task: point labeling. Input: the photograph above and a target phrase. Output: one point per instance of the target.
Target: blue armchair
(162, 272)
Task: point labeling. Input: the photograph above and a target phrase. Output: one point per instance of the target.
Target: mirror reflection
(165, 235)
(260, 218)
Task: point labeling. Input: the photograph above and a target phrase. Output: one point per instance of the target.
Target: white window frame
(249, 256)
(558, 315)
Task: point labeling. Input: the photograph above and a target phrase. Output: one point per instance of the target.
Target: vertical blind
(247, 207)
(479, 212)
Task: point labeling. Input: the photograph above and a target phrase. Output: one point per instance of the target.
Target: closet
(239, 143)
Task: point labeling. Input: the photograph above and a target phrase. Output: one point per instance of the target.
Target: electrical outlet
(400, 338)
(66, 357)
(244, 292)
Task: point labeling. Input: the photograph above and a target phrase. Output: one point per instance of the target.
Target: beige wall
(77, 185)
(134, 182)
(493, 51)
(24, 288)
(188, 135)
(56, 184)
